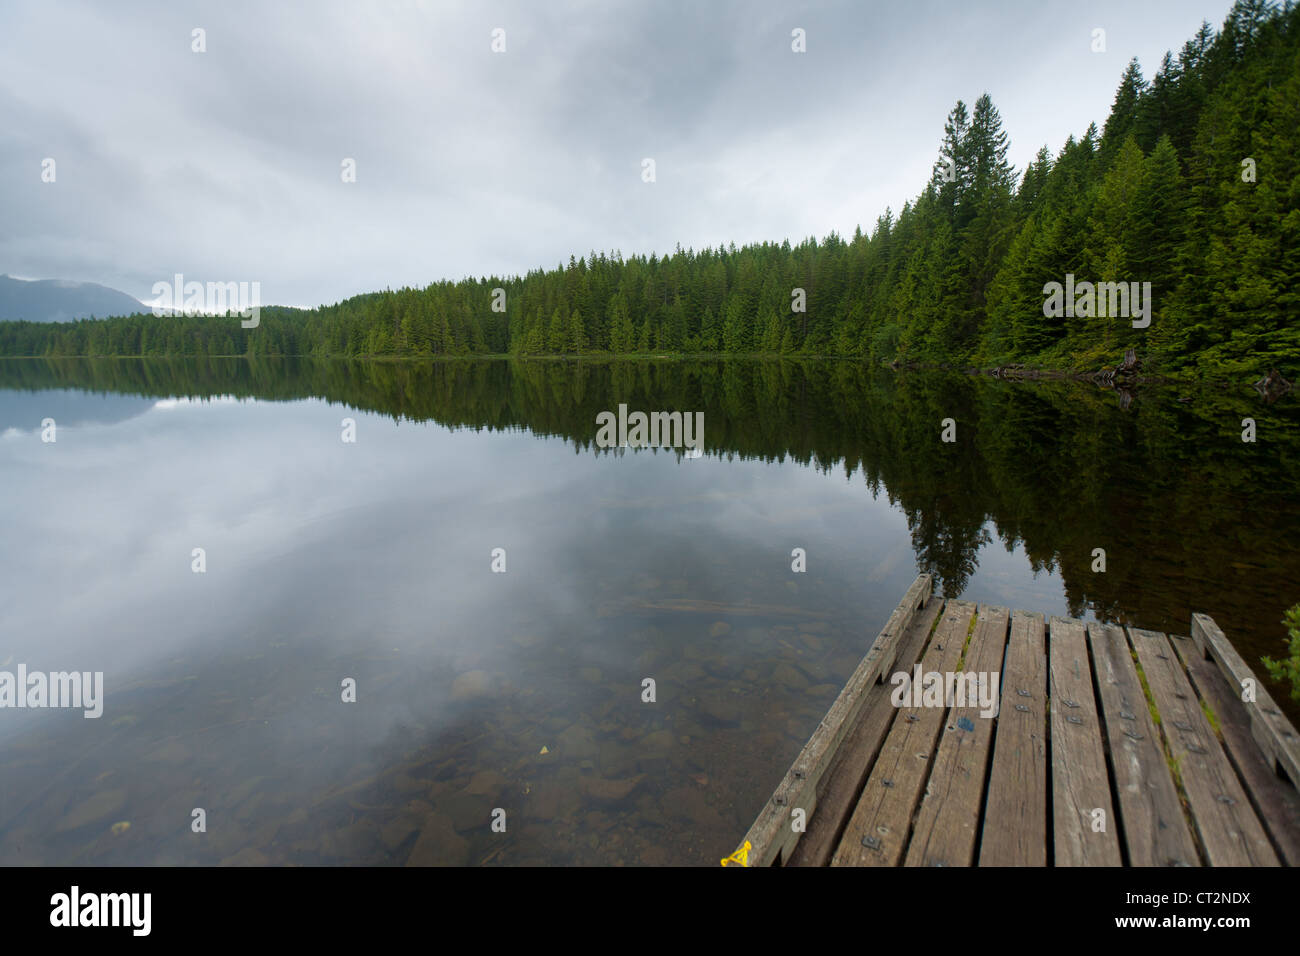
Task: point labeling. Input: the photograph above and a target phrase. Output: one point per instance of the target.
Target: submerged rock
(683, 672)
(471, 685)
(97, 808)
(577, 743)
(690, 805)
(465, 810)
(659, 740)
(816, 670)
(811, 642)
(551, 800)
(724, 668)
(486, 783)
(173, 752)
(405, 784)
(407, 823)
(656, 856)
(720, 709)
(616, 758)
(357, 842)
(789, 677)
(439, 844)
(600, 790)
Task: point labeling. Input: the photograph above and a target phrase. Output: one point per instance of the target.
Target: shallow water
(372, 561)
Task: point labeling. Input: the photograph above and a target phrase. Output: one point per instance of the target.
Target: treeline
(1192, 185)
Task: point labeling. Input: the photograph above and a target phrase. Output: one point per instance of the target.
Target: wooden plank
(843, 782)
(1229, 831)
(1080, 780)
(1269, 726)
(877, 832)
(1275, 800)
(772, 837)
(947, 823)
(1155, 830)
(1015, 814)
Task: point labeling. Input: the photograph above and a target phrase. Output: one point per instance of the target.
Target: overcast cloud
(225, 165)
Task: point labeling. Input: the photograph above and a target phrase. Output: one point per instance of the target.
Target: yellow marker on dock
(740, 857)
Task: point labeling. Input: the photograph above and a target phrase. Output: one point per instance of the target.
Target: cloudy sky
(226, 165)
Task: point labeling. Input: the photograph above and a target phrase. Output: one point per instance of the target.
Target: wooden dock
(1110, 746)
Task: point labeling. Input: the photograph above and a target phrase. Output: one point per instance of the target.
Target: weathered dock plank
(857, 753)
(1015, 814)
(1108, 746)
(1269, 726)
(1225, 822)
(1080, 779)
(772, 835)
(947, 823)
(877, 832)
(1155, 830)
(1274, 799)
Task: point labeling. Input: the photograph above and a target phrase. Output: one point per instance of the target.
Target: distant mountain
(59, 300)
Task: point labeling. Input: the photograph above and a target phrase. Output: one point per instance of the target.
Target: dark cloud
(225, 165)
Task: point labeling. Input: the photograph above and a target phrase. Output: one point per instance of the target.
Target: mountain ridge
(62, 300)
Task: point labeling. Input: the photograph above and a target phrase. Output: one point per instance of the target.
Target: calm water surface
(372, 561)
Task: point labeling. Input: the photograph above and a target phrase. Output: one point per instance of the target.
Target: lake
(508, 684)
